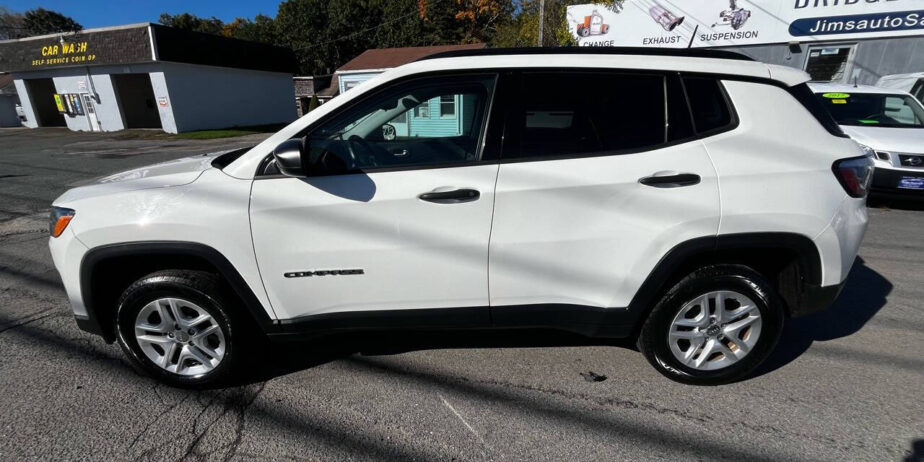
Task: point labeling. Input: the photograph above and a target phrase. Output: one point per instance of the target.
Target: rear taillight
(855, 175)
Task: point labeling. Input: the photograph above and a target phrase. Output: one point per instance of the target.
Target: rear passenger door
(601, 174)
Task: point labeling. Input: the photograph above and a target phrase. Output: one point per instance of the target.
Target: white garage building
(149, 76)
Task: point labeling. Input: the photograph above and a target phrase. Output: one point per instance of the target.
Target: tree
(192, 22)
(11, 25)
(314, 103)
(480, 18)
(523, 30)
(326, 34)
(37, 22)
(261, 29)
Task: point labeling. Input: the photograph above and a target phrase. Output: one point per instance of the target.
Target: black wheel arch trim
(654, 285)
(97, 255)
(592, 321)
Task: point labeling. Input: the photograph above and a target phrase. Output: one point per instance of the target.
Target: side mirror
(288, 157)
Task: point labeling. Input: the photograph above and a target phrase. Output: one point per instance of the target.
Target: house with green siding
(438, 117)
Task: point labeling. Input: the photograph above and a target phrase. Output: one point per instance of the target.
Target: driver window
(408, 125)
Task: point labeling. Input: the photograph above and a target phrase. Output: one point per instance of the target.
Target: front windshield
(874, 109)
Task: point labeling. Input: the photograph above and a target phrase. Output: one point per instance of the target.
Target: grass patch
(228, 132)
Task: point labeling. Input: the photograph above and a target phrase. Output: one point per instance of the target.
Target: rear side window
(707, 104)
(583, 114)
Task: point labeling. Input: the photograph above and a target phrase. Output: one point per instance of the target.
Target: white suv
(690, 199)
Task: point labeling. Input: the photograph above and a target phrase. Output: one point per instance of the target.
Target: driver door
(389, 218)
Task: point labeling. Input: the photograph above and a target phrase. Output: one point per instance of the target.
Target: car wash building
(149, 76)
(833, 40)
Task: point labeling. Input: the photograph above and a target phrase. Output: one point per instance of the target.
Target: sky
(99, 13)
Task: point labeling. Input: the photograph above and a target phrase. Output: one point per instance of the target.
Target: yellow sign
(838, 101)
(59, 102)
(836, 95)
(65, 53)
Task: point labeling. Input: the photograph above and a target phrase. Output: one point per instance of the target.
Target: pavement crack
(191, 448)
(144, 454)
(239, 404)
(37, 317)
(156, 419)
(239, 430)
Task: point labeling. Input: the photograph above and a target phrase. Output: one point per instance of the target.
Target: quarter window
(707, 104)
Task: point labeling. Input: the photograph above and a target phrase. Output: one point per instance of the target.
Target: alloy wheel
(715, 330)
(180, 337)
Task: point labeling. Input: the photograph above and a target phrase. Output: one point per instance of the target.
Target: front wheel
(714, 326)
(176, 327)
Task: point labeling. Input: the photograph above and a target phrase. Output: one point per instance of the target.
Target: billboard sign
(712, 23)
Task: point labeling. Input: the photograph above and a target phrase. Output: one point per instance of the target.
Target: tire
(676, 336)
(197, 295)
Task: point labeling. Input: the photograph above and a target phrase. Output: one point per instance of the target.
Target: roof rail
(633, 51)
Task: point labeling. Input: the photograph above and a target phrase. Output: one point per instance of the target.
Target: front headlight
(867, 151)
(876, 155)
(59, 219)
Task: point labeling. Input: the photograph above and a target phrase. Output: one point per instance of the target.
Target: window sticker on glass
(836, 95)
(868, 122)
(838, 101)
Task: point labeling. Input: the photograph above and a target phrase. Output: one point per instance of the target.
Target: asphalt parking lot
(846, 384)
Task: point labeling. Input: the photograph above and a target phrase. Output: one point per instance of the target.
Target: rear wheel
(176, 327)
(714, 326)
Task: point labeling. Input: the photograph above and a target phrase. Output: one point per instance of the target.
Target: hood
(166, 174)
(910, 140)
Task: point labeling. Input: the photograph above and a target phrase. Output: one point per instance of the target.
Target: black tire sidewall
(654, 339)
(155, 287)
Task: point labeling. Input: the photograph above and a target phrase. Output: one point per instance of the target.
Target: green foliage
(314, 103)
(523, 30)
(227, 132)
(34, 22)
(192, 22)
(261, 29)
(325, 34)
(11, 26)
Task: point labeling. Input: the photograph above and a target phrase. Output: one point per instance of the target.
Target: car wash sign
(122, 45)
(710, 23)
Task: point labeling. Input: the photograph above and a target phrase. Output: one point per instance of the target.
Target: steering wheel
(388, 132)
(361, 150)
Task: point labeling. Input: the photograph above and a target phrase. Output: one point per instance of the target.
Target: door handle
(456, 196)
(670, 180)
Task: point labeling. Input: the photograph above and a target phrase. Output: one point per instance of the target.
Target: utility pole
(541, 19)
